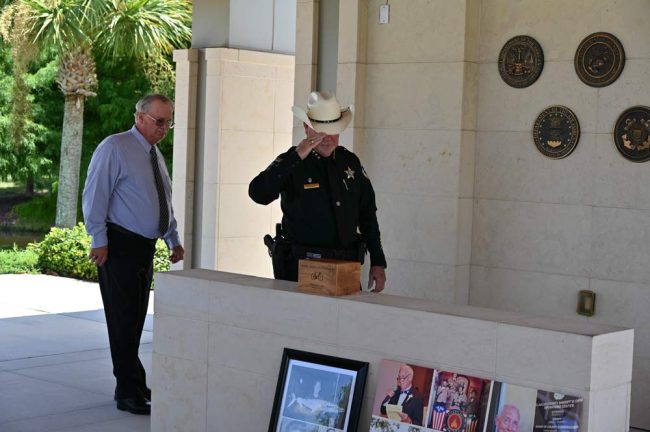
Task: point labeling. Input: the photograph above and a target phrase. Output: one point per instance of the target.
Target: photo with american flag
(459, 402)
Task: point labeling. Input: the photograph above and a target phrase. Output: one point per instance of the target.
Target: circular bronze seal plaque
(599, 59)
(521, 61)
(632, 134)
(556, 132)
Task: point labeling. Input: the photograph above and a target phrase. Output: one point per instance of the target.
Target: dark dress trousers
(125, 280)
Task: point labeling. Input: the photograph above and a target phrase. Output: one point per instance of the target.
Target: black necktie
(163, 222)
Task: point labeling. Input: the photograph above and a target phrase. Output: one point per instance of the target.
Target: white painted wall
(262, 25)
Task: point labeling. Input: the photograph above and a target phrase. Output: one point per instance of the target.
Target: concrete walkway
(55, 366)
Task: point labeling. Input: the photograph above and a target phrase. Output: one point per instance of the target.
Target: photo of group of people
(411, 398)
(457, 402)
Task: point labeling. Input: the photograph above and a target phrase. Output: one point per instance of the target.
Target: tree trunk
(29, 186)
(71, 141)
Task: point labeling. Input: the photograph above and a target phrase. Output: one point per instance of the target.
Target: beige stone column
(184, 148)
(351, 71)
(246, 120)
(306, 57)
(211, 136)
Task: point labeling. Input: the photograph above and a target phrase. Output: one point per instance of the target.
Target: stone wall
(544, 229)
(220, 336)
(470, 211)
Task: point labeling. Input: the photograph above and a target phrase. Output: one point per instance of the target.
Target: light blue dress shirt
(120, 188)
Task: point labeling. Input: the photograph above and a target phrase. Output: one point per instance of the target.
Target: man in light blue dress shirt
(127, 207)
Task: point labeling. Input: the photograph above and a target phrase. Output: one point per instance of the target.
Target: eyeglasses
(160, 122)
(403, 378)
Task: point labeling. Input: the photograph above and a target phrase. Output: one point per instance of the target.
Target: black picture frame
(318, 393)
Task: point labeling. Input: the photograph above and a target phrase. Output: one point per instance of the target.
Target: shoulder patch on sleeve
(275, 163)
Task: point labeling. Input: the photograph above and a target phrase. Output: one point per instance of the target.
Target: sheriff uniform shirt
(324, 200)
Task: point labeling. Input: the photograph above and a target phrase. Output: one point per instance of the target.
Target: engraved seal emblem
(556, 132)
(521, 61)
(632, 134)
(599, 59)
(455, 421)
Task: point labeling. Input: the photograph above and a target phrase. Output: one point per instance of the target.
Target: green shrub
(18, 261)
(64, 252)
(161, 258)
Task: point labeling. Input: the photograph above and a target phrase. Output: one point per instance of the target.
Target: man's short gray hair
(143, 104)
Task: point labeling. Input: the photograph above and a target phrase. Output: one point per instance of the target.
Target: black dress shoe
(134, 405)
(146, 393)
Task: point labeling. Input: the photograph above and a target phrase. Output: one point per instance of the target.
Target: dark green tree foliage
(26, 126)
(45, 100)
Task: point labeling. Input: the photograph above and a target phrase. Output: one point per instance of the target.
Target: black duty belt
(314, 252)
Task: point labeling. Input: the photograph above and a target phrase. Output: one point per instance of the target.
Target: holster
(278, 248)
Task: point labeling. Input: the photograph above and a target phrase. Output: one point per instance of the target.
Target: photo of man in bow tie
(405, 395)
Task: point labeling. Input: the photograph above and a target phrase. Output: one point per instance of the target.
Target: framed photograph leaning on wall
(317, 393)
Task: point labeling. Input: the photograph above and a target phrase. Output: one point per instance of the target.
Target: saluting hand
(307, 145)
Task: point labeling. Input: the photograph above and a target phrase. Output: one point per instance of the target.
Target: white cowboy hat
(324, 113)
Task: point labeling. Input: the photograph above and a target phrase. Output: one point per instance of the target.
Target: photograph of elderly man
(508, 419)
(406, 396)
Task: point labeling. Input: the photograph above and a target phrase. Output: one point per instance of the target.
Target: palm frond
(144, 28)
(58, 23)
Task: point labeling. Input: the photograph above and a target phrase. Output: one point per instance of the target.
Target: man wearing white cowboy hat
(328, 203)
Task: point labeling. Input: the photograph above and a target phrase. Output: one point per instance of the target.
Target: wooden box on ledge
(329, 277)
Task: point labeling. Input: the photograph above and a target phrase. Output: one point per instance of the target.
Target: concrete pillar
(184, 149)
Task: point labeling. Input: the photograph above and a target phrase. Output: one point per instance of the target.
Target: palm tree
(81, 29)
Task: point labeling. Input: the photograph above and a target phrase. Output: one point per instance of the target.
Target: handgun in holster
(276, 252)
